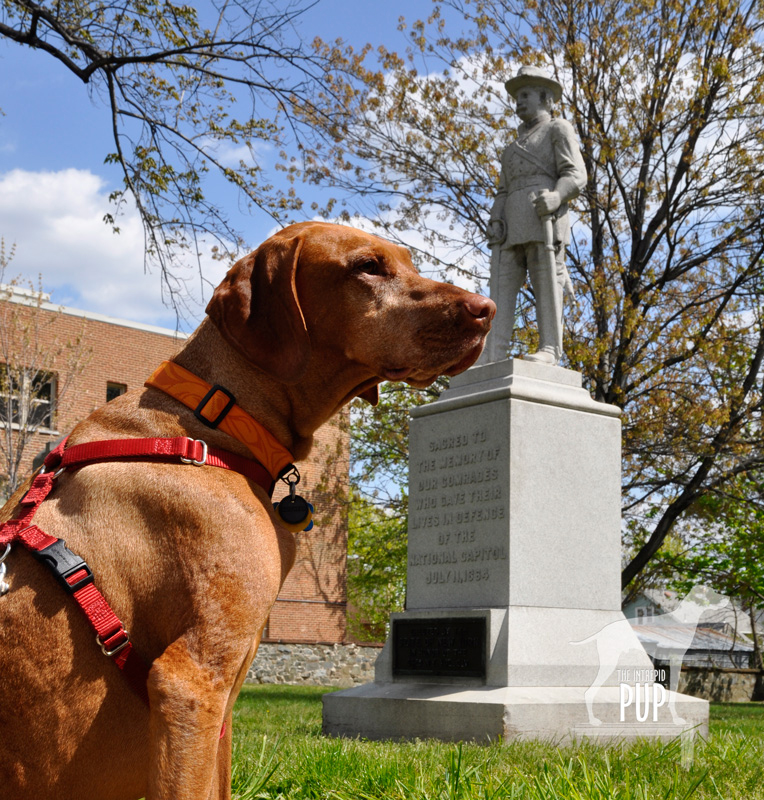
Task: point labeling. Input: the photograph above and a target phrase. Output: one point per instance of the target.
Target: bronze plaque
(446, 647)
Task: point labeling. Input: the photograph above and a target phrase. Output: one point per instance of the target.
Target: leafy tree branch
(174, 77)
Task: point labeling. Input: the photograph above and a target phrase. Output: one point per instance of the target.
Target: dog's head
(316, 290)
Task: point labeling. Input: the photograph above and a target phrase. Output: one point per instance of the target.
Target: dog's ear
(257, 310)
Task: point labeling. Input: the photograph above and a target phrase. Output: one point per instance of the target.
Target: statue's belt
(529, 182)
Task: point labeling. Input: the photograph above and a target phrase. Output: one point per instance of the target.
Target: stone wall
(718, 685)
(346, 665)
(342, 665)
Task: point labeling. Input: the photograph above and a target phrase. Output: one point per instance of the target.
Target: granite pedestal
(513, 625)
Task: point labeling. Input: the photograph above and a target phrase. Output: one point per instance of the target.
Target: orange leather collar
(216, 408)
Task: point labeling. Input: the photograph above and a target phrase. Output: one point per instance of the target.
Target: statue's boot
(543, 356)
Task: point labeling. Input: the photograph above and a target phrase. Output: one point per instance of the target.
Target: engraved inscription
(454, 556)
(457, 499)
(469, 478)
(449, 442)
(425, 502)
(456, 576)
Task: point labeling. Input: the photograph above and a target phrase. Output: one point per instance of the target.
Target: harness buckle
(64, 564)
(121, 646)
(197, 463)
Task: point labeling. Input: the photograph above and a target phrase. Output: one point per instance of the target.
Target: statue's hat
(533, 76)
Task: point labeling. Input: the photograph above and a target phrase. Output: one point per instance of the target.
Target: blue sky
(54, 186)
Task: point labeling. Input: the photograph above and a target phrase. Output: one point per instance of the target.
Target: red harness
(69, 569)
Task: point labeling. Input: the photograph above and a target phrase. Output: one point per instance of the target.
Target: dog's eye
(371, 268)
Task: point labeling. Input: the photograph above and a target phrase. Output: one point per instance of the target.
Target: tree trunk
(758, 662)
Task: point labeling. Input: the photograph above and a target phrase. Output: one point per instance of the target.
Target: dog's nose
(479, 307)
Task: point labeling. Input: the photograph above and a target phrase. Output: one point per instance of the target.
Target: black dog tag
(294, 510)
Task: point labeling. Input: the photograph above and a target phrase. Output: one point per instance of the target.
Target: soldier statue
(541, 170)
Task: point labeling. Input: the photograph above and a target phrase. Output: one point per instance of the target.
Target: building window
(27, 401)
(115, 390)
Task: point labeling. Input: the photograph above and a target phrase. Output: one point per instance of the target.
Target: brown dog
(192, 558)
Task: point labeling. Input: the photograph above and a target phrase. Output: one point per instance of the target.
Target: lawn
(279, 753)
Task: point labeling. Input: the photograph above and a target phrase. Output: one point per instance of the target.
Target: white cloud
(55, 220)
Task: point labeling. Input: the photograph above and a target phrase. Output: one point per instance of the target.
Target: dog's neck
(292, 413)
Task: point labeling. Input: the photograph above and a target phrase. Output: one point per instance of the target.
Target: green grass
(279, 753)
(743, 718)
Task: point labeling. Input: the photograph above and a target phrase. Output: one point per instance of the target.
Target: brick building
(117, 355)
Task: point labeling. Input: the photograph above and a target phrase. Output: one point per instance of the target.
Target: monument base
(556, 714)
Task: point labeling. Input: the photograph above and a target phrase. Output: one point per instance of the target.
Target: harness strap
(182, 448)
(71, 571)
(76, 577)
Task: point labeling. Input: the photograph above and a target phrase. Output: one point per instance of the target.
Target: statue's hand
(546, 202)
(497, 232)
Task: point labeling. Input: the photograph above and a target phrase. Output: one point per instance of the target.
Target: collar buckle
(213, 423)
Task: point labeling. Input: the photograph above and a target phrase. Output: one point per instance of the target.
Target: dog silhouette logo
(616, 641)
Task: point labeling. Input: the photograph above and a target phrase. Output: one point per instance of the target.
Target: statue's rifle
(547, 222)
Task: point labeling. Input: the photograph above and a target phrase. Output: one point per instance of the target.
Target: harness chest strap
(71, 571)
